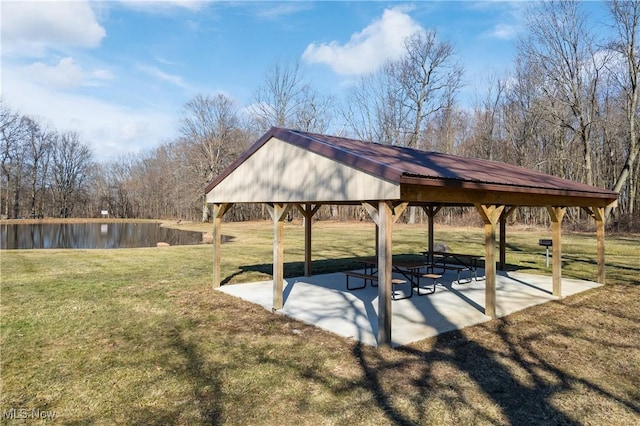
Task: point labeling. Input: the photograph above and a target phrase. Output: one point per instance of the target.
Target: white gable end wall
(281, 172)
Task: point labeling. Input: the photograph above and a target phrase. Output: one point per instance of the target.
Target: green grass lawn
(137, 336)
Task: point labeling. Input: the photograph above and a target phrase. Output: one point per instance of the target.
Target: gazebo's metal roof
(422, 168)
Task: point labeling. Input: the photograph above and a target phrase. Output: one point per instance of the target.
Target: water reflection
(92, 235)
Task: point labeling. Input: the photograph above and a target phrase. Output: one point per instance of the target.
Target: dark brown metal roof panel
(410, 162)
(398, 164)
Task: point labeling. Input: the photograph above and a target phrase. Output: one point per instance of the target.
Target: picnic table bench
(364, 277)
(372, 278)
(411, 270)
(458, 262)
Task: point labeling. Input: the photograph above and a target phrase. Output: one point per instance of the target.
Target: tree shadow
(513, 247)
(201, 375)
(189, 367)
(520, 401)
(373, 383)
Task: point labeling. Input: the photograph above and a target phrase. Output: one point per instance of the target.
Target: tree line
(567, 107)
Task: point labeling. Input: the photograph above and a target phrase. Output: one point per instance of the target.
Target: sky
(120, 72)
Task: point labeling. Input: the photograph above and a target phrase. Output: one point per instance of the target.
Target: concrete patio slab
(324, 301)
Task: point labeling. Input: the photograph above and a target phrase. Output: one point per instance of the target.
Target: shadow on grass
(520, 401)
(205, 382)
(569, 258)
(513, 247)
(198, 373)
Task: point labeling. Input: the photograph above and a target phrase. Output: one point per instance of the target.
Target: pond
(92, 235)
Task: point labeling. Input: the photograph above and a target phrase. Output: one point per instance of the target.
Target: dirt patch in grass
(137, 336)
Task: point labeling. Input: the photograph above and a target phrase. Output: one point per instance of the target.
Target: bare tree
(285, 99)
(523, 114)
(371, 110)
(626, 16)
(488, 127)
(71, 163)
(114, 187)
(38, 145)
(563, 50)
(315, 113)
(210, 125)
(393, 104)
(447, 130)
(13, 132)
(428, 76)
(210, 129)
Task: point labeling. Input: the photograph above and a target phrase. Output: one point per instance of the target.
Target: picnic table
(409, 269)
(459, 262)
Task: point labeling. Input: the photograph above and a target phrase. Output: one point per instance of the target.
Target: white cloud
(367, 50)
(100, 74)
(163, 76)
(160, 6)
(65, 74)
(504, 31)
(277, 10)
(165, 61)
(110, 129)
(30, 27)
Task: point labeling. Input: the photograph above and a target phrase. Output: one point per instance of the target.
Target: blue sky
(119, 72)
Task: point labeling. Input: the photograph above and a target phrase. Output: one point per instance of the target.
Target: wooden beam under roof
(416, 194)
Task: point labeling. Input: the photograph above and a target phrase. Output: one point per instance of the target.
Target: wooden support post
(218, 211)
(431, 211)
(278, 213)
(503, 236)
(307, 245)
(307, 212)
(556, 214)
(384, 215)
(490, 216)
(384, 273)
(599, 216)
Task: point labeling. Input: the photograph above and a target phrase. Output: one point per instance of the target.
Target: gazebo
(288, 169)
